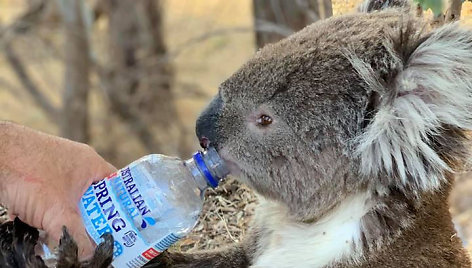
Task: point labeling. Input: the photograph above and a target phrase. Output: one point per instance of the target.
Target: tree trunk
(453, 13)
(141, 95)
(159, 102)
(275, 19)
(74, 121)
(123, 83)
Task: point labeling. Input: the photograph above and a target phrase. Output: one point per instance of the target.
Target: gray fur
(363, 103)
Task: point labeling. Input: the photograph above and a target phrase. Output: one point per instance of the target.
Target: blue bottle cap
(211, 165)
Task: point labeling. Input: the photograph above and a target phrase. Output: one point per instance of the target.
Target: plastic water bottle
(150, 204)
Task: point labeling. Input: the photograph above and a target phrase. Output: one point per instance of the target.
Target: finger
(111, 168)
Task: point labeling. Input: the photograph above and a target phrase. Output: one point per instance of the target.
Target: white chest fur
(335, 237)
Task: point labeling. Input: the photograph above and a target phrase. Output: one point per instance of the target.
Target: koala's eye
(264, 120)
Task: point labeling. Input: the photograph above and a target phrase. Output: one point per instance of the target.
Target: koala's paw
(17, 242)
(68, 253)
(103, 255)
(164, 260)
(17, 249)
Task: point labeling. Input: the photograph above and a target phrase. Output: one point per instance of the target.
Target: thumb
(104, 171)
(75, 227)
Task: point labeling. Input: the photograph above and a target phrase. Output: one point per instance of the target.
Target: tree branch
(25, 79)
(13, 89)
(23, 23)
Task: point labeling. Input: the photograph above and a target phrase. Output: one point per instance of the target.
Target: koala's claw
(68, 250)
(103, 255)
(68, 253)
(18, 240)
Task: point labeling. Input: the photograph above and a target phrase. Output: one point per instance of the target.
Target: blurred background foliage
(204, 41)
(130, 77)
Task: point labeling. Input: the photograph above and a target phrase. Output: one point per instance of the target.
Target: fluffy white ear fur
(372, 5)
(432, 90)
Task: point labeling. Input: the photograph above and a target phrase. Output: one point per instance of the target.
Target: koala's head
(355, 103)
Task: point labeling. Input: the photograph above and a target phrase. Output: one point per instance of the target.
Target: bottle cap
(211, 165)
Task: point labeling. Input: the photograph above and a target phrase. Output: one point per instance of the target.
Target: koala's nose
(204, 142)
(206, 127)
(206, 133)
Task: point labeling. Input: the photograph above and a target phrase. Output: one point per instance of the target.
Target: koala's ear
(419, 129)
(374, 5)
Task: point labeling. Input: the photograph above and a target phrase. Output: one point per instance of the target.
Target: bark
(275, 19)
(454, 11)
(74, 121)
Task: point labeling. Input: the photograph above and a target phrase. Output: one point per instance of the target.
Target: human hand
(43, 177)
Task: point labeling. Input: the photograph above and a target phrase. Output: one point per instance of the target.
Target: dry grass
(226, 215)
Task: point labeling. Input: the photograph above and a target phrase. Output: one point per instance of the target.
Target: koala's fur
(370, 113)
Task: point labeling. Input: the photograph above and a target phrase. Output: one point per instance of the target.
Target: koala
(349, 131)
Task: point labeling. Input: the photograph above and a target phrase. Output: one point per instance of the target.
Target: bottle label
(115, 205)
